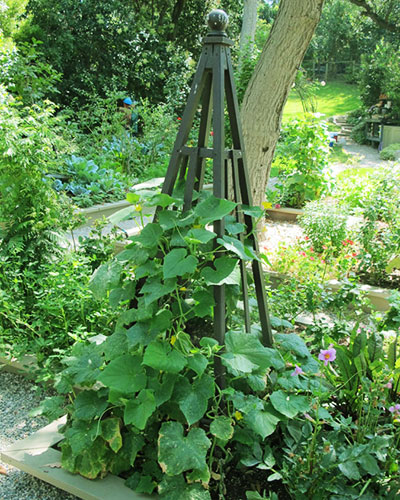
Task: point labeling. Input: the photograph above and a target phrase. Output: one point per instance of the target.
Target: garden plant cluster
(315, 415)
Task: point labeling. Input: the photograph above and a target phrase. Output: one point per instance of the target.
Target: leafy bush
(120, 45)
(389, 153)
(379, 234)
(325, 225)
(354, 187)
(31, 212)
(25, 74)
(380, 74)
(45, 311)
(88, 184)
(301, 164)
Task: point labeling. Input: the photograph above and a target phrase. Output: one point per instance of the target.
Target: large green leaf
(161, 356)
(93, 460)
(175, 487)
(110, 432)
(139, 410)
(155, 289)
(350, 470)
(105, 278)
(204, 302)
(222, 428)
(198, 363)
(135, 254)
(294, 343)
(150, 235)
(139, 334)
(213, 208)
(81, 434)
(89, 405)
(83, 364)
(236, 246)
(222, 274)
(162, 389)
(177, 453)
(289, 404)
(262, 422)
(149, 268)
(245, 353)
(115, 345)
(124, 374)
(161, 200)
(126, 456)
(178, 263)
(369, 464)
(199, 235)
(193, 398)
(168, 219)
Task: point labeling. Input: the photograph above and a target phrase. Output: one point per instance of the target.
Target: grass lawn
(335, 98)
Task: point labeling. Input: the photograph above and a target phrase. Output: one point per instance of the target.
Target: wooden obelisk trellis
(212, 84)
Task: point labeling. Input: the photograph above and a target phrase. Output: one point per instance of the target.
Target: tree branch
(379, 20)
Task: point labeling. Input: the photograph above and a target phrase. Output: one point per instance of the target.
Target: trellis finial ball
(218, 20)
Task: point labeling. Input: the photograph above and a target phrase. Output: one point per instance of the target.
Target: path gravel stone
(363, 156)
(18, 396)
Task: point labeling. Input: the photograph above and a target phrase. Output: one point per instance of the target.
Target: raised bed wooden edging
(35, 455)
(107, 209)
(284, 214)
(23, 366)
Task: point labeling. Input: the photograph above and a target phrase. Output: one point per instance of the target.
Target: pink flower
(395, 409)
(312, 258)
(327, 355)
(277, 205)
(297, 371)
(389, 385)
(211, 133)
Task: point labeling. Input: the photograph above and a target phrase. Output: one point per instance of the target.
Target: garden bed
(379, 297)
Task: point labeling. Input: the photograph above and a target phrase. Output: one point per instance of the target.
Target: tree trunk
(270, 84)
(249, 23)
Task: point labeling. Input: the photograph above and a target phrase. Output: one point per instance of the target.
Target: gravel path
(363, 156)
(17, 397)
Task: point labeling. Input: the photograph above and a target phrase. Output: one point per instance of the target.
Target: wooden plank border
(35, 456)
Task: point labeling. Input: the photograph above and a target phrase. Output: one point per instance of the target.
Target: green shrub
(30, 210)
(354, 187)
(389, 153)
(325, 225)
(301, 163)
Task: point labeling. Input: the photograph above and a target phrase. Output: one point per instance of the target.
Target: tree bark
(249, 23)
(270, 84)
